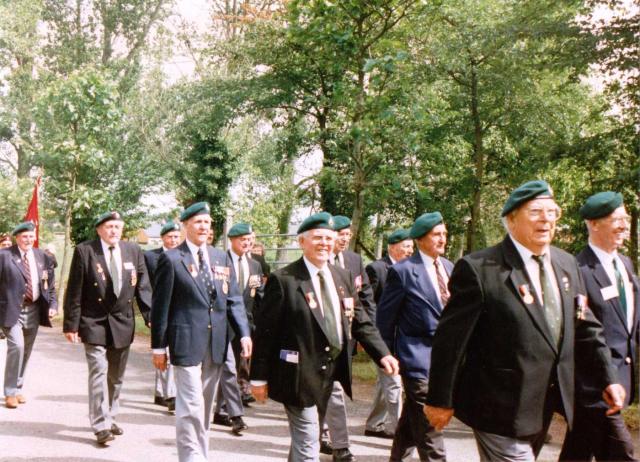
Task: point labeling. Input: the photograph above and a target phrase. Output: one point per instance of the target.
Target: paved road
(53, 425)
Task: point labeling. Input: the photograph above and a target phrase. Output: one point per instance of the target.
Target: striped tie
(28, 291)
(442, 286)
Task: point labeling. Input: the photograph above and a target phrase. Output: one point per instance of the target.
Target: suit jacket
(353, 263)
(251, 296)
(622, 342)
(182, 315)
(289, 323)
(408, 314)
(377, 272)
(12, 286)
(90, 306)
(264, 266)
(151, 258)
(494, 359)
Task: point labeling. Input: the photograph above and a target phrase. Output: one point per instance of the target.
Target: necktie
(205, 275)
(442, 286)
(113, 271)
(241, 273)
(622, 294)
(28, 290)
(340, 258)
(329, 317)
(552, 310)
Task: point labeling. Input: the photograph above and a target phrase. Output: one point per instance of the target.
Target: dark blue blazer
(408, 314)
(12, 286)
(182, 316)
(151, 258)
(621, 341)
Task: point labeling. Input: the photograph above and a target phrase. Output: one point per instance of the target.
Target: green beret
(424, 224)
(398, 235)
(107, 216)
(600, 205)
(322, 220)
(199, 208)
(340, 222)
(239, 229)
(22, 227)
(526, 192)
(168, 227)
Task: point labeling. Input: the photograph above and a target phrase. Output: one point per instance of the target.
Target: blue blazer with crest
(408, 314)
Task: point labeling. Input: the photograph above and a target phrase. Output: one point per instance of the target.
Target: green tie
(113, 271)
(552, 310)
(622, 294)
(240, 274)
(329, 317)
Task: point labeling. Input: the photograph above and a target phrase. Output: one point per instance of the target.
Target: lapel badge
(525, 293)
(225, 287)
(192, 270)
(347, 303)
(310, 296)
(565, 283)
(100, 271)
(134, 278)
(357, 282)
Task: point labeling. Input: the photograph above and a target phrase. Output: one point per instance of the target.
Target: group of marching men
(502, 339)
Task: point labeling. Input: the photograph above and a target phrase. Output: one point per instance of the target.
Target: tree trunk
(478, 158)
(67, 243)
(633, 239)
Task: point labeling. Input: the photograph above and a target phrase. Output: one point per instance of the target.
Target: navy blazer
(151, 260)
(182, 316)
(377, 272)
(12, 286)
(621, 341)
(408, 314)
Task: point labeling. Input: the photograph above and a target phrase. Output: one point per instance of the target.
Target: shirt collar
(527, 254)
(105, 247)
(194, 248)
(426, 259)
(603, 255)
(313, 269)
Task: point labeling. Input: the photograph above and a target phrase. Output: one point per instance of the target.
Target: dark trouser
(243, 367)
(414, 430)
(596, 434)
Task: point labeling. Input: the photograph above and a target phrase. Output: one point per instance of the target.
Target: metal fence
(279, 249)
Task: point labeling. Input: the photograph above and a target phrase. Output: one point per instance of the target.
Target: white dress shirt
(333, 293)
(236, 267)
(33, 269)
(533, 269)
(431, 272)
(194, 252)
(606, 259)
(118, 257)
(338, 260)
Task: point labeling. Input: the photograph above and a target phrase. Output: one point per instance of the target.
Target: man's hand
(614, 396)
(247, 347)
(439, 417)
(160, 361)
(260, 392)
(390, 365)
(52, 313)
(72, 337)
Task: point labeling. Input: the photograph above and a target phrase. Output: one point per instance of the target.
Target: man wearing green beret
(387, 400)
(410, 307)
(27, 301)
(613, 291)
(106, 275)
(196, 303)
(503, 354)
(165, 386)
(310, 312)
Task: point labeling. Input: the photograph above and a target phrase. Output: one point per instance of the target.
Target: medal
(134, 278)
(192, 270)
(311, 300)
(100, 271)
(581, 310)
(225, 287)
(526, 295)
(565, 283)
(45, 280)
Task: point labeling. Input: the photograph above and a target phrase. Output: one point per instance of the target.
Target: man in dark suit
(503, 354)
(27, 301)
(613, 291)
(165, 386)
(309, 313)
(194, 299)
(412, 301)
(257, 253)
(387, 399)
(235, 387)
(105, 275)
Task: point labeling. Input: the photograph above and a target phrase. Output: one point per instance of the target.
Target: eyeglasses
(624, 220)
(549, 214)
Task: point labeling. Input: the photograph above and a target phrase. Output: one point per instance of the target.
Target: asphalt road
(53, 424)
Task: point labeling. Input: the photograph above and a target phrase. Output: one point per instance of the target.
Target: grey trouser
(165, 383)
(492, 447)
(106, 371)
(196, 389)
(229, 399)
(305, 432)
(334, 424)
(20, 339)
(387, 404)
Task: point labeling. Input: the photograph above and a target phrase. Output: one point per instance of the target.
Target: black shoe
(343, 455)
(379, 434)
(104, 436)
(159, 400)
(117, 431)
(221, 419)
(171, 404)
(248, 399)
(238, 425)
(325, 448)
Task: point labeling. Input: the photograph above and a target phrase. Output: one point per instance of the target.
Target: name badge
(289, 356)
(609, 292)
(128, 265)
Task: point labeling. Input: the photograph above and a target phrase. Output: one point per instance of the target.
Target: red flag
(32, 210)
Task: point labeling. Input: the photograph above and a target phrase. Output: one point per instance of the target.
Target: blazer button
(326, 348)
(324, 368)
(100, 300)
(627, 360)
(209, 326)
(129, 301)
(95, 284)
